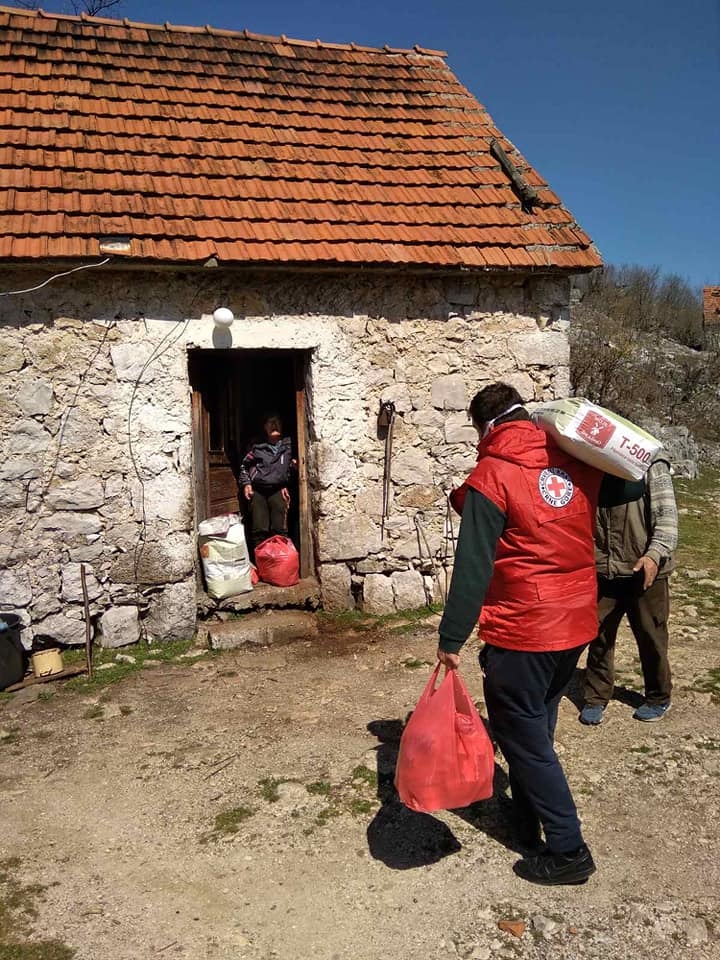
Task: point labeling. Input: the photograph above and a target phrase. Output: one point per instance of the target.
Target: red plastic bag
(277, 561)
(446, 758)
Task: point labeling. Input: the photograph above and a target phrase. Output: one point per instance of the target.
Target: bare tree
(91, 7)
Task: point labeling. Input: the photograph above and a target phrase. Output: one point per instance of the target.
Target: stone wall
(96, 464)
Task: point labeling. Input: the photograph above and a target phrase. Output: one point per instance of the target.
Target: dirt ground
(240, 806)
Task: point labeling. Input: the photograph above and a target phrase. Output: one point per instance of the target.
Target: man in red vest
(525, 566)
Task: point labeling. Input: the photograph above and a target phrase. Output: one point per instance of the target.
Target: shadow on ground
(574, 692)
(403, 839)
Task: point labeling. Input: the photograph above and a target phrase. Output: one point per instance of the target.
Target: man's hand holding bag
(446, 758)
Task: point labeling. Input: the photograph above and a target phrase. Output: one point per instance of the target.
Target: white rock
(335, 587)
(77, 495)
(119, 627)
(378, 594)
(449, 393)
(35, 397)
(72, 583)
(173, 613)
(15, 588)
(408, 590)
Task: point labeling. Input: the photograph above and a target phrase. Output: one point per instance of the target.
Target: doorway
(232, 391)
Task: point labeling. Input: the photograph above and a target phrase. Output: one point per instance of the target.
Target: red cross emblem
(555, 486)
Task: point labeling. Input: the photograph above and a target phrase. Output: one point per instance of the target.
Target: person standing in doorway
(524, 565)
(265, 473)
(634, 546)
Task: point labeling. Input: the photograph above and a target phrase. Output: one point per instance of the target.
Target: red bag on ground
(446, 758)
(277, 561)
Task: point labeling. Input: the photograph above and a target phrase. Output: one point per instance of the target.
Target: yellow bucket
(47, 663)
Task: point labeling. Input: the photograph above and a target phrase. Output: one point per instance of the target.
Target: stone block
(173, 613)
(262, 629)
(20, 468)
(72, 583)
(449, 393)
(167, 561)
(15, 589)
(128, 359)
(71, 524)
(35, 397)
(458, 429)
(378, 596)
(76, 495)
(332, 466)
(12, 357)
(411, 467)
(335, 586)
(119, 627)
(420, 497)
(66, 629)
(27, 438)
(408, 590)
(544, 349)
(349, 538)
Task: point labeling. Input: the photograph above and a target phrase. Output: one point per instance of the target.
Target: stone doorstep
(305, 594)
(262, 629)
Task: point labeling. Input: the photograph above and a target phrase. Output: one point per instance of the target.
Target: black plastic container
(12, 654)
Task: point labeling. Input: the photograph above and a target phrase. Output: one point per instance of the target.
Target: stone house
(377, 240)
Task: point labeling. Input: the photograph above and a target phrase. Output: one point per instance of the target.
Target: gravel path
(240, 807)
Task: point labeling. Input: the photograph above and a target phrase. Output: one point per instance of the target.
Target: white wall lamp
(223, 317)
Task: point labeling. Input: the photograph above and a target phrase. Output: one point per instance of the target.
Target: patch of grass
(228, 822)
(327, 813)
(365, 774)
(359, 807)
(412, 663)
(269, 789)
(699, 534)
(710, 683)
(319, 788)
(642, 748)
(95, 712)
(17, 912)
(10, 735)
(165, 652)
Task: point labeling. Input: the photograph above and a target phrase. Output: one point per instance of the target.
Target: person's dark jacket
(267, 466)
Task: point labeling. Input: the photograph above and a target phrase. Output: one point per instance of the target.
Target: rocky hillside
(656, 367)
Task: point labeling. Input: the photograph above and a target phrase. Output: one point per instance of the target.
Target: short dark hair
(491, 401)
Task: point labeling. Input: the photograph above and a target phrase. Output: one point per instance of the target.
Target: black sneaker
(552, 869)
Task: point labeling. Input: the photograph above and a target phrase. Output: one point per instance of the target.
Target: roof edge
(39, 14)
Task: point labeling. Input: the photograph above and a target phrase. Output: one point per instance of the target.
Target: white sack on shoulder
(598, 437)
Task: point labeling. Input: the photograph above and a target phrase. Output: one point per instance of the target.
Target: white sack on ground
(598, 436)
(224, 554)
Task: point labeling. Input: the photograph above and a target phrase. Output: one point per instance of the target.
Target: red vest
(543, 593)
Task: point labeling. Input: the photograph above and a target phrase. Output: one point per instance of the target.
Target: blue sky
(617, 104)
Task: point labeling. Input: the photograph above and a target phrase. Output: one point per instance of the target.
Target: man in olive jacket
(634, 544)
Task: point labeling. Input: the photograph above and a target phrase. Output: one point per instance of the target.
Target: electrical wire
(84, 266)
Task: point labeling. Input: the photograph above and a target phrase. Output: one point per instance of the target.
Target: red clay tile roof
(711, 304)
(200, 143)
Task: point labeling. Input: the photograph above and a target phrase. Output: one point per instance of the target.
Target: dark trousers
(268, 515)
(522, 694)
(647, 612)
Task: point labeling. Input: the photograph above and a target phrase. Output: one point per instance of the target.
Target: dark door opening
(232, 391)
